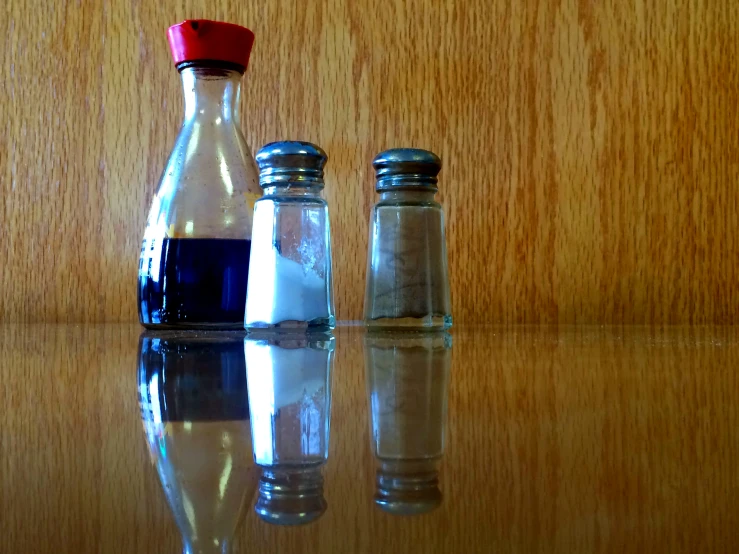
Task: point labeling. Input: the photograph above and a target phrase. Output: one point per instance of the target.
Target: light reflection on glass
(225, 174)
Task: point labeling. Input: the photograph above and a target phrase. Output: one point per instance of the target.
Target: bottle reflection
(289, 380)
(407, 377)
(194, 406)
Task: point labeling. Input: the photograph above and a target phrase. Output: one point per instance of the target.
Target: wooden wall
(591, 147)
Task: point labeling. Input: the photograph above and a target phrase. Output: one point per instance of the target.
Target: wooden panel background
(590, 147)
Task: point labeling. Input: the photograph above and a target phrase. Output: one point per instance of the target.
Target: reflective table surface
(496, 439)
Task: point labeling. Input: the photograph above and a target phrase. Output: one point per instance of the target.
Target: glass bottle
(407, 379)
(194, 407)
(291, 285)
(195, 253)
(407, 275)
(289, 378)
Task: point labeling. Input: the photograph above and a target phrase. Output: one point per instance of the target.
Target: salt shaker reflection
(407, 378)
(289, 380)
(194, 407)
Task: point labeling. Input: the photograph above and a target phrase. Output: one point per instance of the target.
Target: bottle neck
(211, 93)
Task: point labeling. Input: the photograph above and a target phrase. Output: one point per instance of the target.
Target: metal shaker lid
(406, 168)
(292, 499)
(291, 162)
(407, 493)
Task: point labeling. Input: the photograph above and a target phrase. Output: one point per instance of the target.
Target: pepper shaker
(407, 275)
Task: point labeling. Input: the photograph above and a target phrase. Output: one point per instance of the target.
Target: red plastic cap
(201, 39)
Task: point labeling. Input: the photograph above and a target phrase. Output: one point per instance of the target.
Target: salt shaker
(291, 284)
(407, 380)
(407, 275)
(289, 380)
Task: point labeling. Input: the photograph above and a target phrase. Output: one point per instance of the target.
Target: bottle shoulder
(214, 154)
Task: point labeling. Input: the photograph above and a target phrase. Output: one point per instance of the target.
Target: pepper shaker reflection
(407, 276)
(194, 407)
(291, 283)
(289, 381)
(407, 377)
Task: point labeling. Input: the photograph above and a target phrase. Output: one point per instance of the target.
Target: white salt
(281, 290)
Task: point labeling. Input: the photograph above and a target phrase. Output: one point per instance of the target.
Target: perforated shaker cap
(407, 494)
(406, 168)
(293, 499)
(291, 162)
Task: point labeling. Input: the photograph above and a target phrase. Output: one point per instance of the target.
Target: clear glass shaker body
(195, 253)
(407, 273)
(291, 286)
(289, 379)
(407, 380)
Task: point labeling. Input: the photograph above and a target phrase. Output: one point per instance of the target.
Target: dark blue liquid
(193, 282)
(193, 376)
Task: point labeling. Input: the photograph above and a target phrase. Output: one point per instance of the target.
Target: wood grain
(592, 440)
(590, 148)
